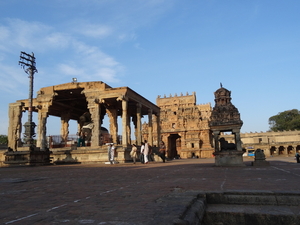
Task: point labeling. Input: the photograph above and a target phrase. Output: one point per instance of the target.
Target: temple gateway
(184, 126)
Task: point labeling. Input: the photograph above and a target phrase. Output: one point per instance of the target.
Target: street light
(27, 62)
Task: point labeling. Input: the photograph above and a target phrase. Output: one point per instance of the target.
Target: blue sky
(158, 47)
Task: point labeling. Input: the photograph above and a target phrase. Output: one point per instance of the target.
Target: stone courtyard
(128, 194)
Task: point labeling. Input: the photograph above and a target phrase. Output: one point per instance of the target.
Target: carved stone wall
(184, 126)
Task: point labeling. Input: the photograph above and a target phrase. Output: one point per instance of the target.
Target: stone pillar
(238, 141)
(113, 123)
(95, 111)
(216, 140)
(42, 129)
(294, 149)
(15, 125)
(139, 124)
(150, 128)
(286, 150)
(128, 129)
(64, 130)
(124, 122)
(156, 130)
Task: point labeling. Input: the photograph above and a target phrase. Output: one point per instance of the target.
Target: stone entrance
(226, 118)
(174, 143)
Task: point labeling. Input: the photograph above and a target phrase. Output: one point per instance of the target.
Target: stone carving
(226, 146)
(226, 118)
(260, 158)
(86, 125)
(224, 112)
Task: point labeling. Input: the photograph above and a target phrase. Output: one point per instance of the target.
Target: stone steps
(244, 208)
(223, 214)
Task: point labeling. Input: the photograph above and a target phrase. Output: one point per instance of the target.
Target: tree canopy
(3, 139)
(287, 120)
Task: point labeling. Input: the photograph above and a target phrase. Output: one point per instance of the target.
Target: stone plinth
(27, 158)
(260, 163)
(89, 155)
(260, 158)
(229, 158)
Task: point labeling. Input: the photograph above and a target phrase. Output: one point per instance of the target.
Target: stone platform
(132, 194)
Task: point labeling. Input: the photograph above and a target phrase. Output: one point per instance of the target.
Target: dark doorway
(273, 150)
(173, 146)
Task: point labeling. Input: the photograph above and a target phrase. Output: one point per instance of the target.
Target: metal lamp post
(27, 62)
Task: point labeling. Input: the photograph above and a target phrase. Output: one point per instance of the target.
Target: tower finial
(221, 84)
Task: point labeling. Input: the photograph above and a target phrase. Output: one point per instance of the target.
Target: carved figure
(86, 125)
(259, 155)
(226, 146)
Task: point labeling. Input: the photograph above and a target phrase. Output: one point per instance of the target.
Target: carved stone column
(139, 124)
(42, 129)
(128, 129)
(15, 125)
(285, 150)
(216, 139)
(238, 141)
(124, 121)
(150, 128)
(64, 129)
(95, 111)
(294, 149)
(113, 123)
(156, 130)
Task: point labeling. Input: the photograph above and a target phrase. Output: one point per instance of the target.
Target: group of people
(146, 152)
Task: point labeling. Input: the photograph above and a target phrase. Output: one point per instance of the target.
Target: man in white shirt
(146, 152)
(142, 153)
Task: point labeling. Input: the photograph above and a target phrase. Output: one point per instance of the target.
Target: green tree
(287, 120)
(3, 139)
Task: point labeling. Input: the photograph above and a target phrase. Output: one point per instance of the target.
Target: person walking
(146, 152)
(111, 152)
(162, 151)
(133, 153)
(142, 152)
(297, 157)
(80, 139)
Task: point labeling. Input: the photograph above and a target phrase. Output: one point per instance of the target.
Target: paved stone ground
(128, 194)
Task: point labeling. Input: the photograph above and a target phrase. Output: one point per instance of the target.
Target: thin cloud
(83, 60)
(93, 30)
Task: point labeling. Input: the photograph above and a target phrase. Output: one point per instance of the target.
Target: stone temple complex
(187, 129)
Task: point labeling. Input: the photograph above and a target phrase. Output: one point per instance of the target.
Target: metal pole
(28, 64)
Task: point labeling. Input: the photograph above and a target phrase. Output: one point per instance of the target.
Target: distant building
(272, 143)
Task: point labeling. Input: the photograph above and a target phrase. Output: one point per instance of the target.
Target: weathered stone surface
(72, 101)
(226, 118)
(184, 126)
